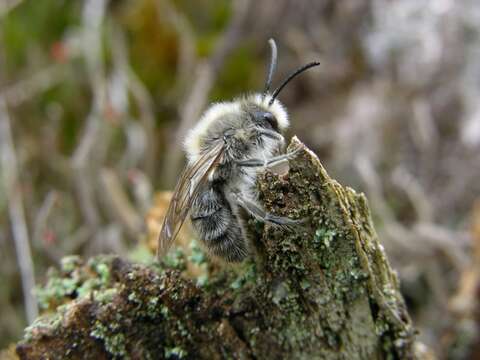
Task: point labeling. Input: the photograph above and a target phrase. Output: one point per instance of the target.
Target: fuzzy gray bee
(230, 145)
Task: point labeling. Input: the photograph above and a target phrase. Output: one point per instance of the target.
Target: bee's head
(264, 108)
(265, 114)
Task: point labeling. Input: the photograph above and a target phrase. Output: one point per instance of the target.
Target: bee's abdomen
(217, 226)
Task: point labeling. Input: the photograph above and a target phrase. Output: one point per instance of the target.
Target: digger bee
(231, 144)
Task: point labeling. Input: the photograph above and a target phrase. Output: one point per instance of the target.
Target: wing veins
(191, 179)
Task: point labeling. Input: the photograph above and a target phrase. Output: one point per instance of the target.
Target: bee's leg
(270, 133)
(260, 214)
(268, 162)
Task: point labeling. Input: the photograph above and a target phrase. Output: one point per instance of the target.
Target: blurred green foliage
(33, 27)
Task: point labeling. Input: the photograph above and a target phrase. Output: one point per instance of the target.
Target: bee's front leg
(261, 214)
(274, 161)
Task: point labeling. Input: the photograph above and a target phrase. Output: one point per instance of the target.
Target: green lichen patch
(137, 310)
(175, 259)
(246, 275)
(175, 353)
(43, 325)
(114, 341)
(74, 280)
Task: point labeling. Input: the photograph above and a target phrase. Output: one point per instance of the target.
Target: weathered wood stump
(323, 290)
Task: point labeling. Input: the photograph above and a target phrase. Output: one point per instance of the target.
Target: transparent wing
(191, 179)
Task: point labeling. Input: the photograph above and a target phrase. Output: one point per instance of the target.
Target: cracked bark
(324, 290)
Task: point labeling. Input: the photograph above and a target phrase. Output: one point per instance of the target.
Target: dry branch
(9, 170)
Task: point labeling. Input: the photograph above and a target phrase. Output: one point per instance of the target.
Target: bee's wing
(191, 179)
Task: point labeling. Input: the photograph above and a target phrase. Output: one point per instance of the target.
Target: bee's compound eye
(266, 118)
(269, 117)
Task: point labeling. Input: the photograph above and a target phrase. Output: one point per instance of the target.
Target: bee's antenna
(271, 68)
(290, 77)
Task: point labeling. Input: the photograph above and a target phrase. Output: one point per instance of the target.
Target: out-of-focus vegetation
(96, 96)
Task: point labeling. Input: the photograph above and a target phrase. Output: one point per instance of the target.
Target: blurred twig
(415, 192)
(118, 203)
(142, 98)
(93, 13)
(418, 240)
(17, 214)
(25, 89)
(187, 57)
(43, 215)
(40, 226)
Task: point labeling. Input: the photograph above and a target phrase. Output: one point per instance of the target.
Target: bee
(230, 145)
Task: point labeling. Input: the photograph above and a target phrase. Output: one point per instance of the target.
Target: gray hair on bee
(226, 150)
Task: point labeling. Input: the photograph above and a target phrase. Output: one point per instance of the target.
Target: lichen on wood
(321, 290)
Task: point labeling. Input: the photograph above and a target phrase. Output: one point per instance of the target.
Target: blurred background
(96, 95)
